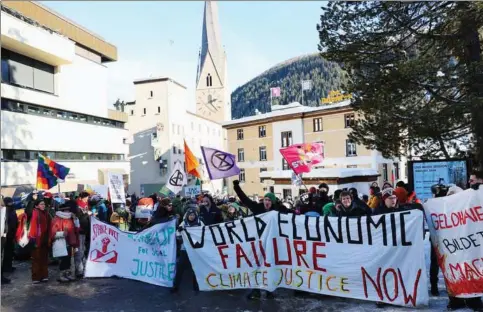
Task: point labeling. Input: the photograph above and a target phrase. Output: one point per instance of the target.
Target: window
(263, 170)
(285, 164)
(144, 111)
(209, 81)
(349, 120)
(174, 129)
(29, 155)
(23, 71)
(27, 108)
(179, 150)
(317, 124)
(239, 134)
(262, 131)
(286, 138)
(396, 171)
(241, 177)
(155, 135)
(159, 109)
(262, 151)
(241, 155)
(151, 93)
(350, 148)
(132, 112)
(351, 166)
(384, 172)
(287, 193)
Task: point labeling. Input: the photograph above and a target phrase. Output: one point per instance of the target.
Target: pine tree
(416, 73)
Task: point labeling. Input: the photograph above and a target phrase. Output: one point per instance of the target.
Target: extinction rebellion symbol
(222, 161)
(176, 178)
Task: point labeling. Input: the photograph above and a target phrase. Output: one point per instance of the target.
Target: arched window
(209, 81)
(210, 98)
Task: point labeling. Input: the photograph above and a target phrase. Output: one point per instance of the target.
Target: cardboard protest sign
(116, 188)
(456, 226)
(148, 256)
(362, 258)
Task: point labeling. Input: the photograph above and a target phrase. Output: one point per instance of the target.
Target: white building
(159, 120)
(54, 100)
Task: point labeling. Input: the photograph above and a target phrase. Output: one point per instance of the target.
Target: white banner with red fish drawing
(456, 226)
(148, 256)
(378, 258)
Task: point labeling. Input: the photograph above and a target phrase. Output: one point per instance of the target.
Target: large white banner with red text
(379, 258)
(148, 256)
(456, 226)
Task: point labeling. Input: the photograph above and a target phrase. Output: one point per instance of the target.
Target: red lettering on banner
(300, 253)
(459, 218)
(316, 255)
(240, 253)
(222, 255)
(255, 253)
(289, 253)
(398, 280)
(262, 250)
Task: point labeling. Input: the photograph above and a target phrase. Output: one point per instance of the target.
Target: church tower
(212, 95)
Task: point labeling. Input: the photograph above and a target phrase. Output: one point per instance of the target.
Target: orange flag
(192, 163)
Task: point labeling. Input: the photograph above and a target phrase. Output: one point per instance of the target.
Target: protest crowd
(56, 230)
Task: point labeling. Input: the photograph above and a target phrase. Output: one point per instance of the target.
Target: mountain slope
(255, 94)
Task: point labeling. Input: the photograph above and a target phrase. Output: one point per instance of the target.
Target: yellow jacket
(373, 202)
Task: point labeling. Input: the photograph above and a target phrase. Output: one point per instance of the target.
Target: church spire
(211, 46)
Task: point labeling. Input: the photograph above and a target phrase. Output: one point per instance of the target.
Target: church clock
(208, 103)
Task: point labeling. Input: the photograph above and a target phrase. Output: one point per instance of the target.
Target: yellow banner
(335, 96)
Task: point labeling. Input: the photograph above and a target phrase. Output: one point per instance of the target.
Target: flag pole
(302, 86)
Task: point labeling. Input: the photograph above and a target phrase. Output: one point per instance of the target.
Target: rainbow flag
(48, 171)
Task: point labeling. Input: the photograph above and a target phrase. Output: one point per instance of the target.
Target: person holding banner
(191, 218)
(269, 203)
(209, 212)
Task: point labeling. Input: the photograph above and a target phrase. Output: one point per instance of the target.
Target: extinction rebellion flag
(219, 164)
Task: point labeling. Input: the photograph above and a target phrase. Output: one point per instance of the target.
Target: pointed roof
(211, 46)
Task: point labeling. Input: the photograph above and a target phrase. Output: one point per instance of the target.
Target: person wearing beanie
(269, 203)
(329, 208)
(65, 226)
(401, 192)
(323, 187)
(209, 212)
(162, 214)
(12, 223)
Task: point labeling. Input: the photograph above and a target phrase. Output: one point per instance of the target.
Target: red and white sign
(456, 226)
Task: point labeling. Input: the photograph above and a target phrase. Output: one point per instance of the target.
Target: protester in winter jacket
(390, 203)
(83, 214)
(329, 208)
(191, 219)
(209, 212)
(65, 226)
(39, 235)
(356, 201)
(162, 214)
(348, 208)
(374, 200)
(401, 192)
(9, 248)
(269, 203)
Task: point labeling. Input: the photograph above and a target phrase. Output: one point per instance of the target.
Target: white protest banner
(192, 190)
(116, 188)
(456, 226)
(148, 256)
(177, 179)
(378, 258)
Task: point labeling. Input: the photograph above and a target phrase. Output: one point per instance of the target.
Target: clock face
(208, 103)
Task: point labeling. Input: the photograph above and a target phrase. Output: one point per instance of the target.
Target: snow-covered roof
(322, 173)
(292, 108)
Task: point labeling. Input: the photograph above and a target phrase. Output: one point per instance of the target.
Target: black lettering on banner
(328, 226)
(402, 224)
(229, 229)
(197, 245)
(280, 221)
(215, 240)
(261, 225)
(393, 229)
(317, 238)
(473, 240)
(245, 231)
(447, 244)
(294, 227)
(359, 231)
(382, 223)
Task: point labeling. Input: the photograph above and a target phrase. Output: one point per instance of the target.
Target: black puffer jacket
(256, 208)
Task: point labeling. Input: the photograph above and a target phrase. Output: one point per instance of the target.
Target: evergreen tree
(416, 73)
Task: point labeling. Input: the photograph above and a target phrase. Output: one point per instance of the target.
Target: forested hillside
(255, 94)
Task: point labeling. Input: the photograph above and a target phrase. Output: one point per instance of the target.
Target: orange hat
(401, 194)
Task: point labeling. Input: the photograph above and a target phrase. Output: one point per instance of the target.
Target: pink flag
(275, 92)
(301, 157)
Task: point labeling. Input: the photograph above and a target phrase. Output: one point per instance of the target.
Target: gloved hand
(236, 182)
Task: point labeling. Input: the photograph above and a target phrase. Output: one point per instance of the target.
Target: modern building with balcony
(54, 100)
